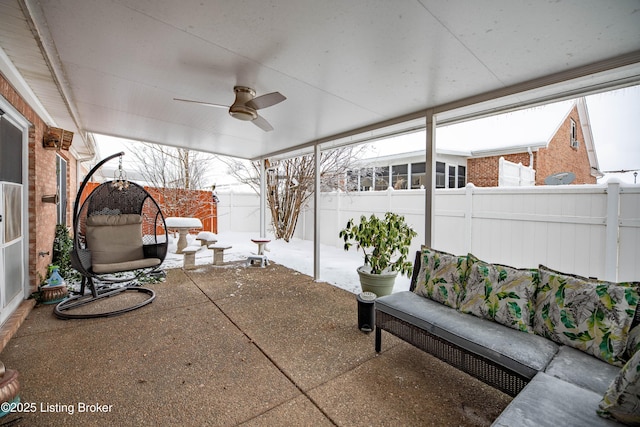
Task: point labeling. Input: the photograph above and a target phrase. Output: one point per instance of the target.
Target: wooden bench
(218, 253)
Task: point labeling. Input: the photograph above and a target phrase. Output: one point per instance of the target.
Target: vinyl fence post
(468, 217)
(611, 254)
(316, 213)
(263, 199)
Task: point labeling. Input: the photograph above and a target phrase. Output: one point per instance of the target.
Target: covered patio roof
(115, 68)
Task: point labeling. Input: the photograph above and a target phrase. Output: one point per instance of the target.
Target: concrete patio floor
(235, 345)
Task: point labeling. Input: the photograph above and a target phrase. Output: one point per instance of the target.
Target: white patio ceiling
(344, 66)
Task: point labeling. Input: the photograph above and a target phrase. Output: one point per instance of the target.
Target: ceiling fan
(246, 105)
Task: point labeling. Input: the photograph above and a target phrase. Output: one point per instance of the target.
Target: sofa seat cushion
(442, 276)
(545, 402)
(591, 315)
(579, 368)
(501, 293)
(126, 265)
(523, 353)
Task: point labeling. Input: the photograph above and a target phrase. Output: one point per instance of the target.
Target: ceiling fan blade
(264, 101)
(262, 123)
(207, 104)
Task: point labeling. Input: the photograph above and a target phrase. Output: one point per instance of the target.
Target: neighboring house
(567, 148)
(408, 171)
(550, 140)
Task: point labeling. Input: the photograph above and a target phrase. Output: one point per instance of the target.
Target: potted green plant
(61, 256)
(54, 289)
(385, 243)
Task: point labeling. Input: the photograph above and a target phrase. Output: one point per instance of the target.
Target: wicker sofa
(522, 331)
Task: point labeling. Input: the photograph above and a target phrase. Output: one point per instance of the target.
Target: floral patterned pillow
(622, 399)
(591, 315)
(442, 276)
(501, 293)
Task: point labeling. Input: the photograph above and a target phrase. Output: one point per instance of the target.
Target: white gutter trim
(38, 23)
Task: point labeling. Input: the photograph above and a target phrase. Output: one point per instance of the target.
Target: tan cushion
(114, 238)
(125, 266)
(122, 219)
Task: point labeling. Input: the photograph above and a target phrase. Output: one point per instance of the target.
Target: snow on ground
(337, 267)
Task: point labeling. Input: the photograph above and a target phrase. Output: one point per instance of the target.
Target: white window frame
(573, 135)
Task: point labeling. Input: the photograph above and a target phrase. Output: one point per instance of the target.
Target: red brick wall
(559, 156)
(41, 181)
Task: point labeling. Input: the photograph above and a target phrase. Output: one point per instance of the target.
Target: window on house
(353, 181)
(418, 175)
(440, 175)
(574, 135)
(399, 176)
(61, 178)
(366, 181)
(382, 178)
(462, 176)
(452, 177)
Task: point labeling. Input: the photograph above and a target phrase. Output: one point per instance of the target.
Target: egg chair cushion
(115, 242)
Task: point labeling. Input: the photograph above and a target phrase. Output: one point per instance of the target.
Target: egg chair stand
(120, 236)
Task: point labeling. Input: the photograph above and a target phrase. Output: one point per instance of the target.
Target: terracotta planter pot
(380, 284)
(53, 294)
(9, 385)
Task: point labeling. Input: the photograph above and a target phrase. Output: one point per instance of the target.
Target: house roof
(505, 133)
(114, 68)
(518, 132)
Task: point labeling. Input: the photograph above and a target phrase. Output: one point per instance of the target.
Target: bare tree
(290, 183)
(173, 169)
(169, 167)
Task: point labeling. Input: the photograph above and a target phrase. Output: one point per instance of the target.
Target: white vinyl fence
(515, 174)
(590, 230)
(239, 212)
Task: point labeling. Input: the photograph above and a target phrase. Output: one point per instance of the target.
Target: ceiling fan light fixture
(242, 112)
(239, 110)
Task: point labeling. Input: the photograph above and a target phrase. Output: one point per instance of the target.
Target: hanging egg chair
(120, 236)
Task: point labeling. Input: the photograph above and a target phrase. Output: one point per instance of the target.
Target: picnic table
(182, 225)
